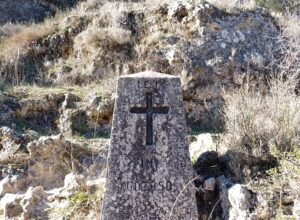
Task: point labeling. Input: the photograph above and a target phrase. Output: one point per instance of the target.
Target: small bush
(255, 122)
(107, 37)
(79, 198)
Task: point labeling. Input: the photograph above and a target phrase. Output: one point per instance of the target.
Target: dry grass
(105, 89)
(110, 37)
(19, 37)
(9, 29)
(268, 125)
(255, 122)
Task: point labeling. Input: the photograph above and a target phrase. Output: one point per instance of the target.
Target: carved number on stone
(149, 110)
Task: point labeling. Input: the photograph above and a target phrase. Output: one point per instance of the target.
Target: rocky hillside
(209, 48)
(58, 79)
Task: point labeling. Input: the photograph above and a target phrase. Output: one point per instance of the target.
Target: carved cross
(149, 110)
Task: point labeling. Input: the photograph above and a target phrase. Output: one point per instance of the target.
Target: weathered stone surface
(9, 205)
(296, 209)
(32, 202)
(241, 200)
(148, 161)
(49, 171)
(12, 184)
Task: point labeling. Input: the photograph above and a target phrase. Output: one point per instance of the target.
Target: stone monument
(149, 166)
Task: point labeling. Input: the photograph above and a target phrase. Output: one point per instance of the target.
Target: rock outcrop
(209, 48)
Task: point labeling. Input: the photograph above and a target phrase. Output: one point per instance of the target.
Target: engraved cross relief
(149, 110)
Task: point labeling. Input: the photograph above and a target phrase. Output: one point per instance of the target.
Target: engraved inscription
(149, 110)
(149, 164)
(149, 186)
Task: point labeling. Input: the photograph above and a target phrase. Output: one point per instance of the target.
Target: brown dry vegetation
(267, 125)
(17, 37)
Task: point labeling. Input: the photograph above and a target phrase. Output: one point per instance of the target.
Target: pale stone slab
(149, 162)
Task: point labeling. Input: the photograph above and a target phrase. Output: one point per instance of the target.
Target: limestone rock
(33, 108)
(73, 121)
(10, 205)
(74, 184)
(209, 48)
(12, 209)
(11, 142)
(12, 184)
(45, 169)
(32, 202)
(100, 112)
(296, 209)
(91, 117)
(224, 185)
(241, 201)
(205, 142)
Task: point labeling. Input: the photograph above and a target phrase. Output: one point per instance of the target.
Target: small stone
(210, 184)
(236, 40)
(239, 196)
(9, 205)
(223, 45)
(12, 184)
(241, 35)
(224, 33)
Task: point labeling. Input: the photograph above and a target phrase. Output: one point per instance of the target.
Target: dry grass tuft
(16, 41)
(254, 122)
(9, 29)
(112, 36)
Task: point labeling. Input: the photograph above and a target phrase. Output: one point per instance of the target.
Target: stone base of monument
(149, 174)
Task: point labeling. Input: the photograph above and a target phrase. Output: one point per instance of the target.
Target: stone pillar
(149, 164)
